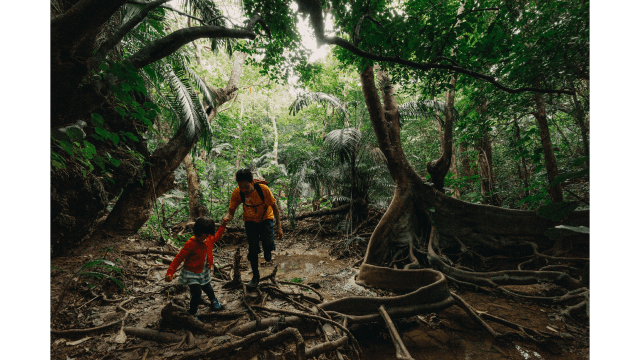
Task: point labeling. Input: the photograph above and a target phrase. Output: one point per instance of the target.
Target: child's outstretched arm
(213, 239)
(182, 255)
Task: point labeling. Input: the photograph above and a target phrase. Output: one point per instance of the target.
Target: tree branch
(428, 66)
(314, 9)
(168, 8)
(172, 42)
(125, 29)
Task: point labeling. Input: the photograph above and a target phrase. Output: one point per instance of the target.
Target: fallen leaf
(552, 329)
(74, 343)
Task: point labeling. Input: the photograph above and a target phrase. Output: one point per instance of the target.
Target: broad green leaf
(115, 162)
(75, 133)
(98, 118)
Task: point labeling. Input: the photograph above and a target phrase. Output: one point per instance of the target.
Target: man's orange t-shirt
(254, 213)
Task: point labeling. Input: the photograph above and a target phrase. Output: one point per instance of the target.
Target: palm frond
(211, 15)
(199, 83)
(343, 143)
(305, 99)
(186, 103)
(424, 109)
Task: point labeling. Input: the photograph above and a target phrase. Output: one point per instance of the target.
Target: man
(260, 210)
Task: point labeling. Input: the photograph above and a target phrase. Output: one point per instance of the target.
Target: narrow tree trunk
(485, 164)
(196, 198)
(487, 177)
(579, 117)
(549, 156)
(523, 173)
(275, 141)
(438, 169)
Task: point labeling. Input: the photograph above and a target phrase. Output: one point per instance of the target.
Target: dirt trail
(450, 334)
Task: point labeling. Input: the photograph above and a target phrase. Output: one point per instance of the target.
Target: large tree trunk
(549, 155)
(419, 213)
(135, 205)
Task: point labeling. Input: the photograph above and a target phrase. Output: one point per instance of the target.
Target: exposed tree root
(224, 349)
(152, 335)
(84, 331)
(102, 327)
(314, 317)
(401, 350)
(288, 333)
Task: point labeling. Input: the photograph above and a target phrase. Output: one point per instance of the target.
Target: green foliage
(96, 263)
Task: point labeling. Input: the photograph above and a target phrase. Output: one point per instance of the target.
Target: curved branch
(125, 29)
(314, 9)
(168, 8)
(172, 42)
(334, 40)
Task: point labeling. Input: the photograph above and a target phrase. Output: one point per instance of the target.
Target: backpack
(258, 188)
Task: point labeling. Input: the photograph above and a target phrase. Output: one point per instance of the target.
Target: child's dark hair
(244, 175)
(204, 225)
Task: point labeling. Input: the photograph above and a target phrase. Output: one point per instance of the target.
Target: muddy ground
(305, 254)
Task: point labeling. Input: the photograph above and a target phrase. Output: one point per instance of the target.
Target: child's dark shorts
(259, 232)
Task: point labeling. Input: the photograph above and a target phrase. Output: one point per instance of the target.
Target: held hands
(225, 220)
(168, 278)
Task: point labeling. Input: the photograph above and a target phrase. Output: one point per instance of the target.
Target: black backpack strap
(258, 188)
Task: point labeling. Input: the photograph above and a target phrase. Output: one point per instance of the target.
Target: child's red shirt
(193, 253)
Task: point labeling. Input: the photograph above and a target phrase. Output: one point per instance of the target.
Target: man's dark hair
(204, 225)
(244, 175)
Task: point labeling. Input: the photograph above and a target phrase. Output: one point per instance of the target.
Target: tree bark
(196, 199)
(549, 156)
(438, 169)
(135, 205)
(485, 164)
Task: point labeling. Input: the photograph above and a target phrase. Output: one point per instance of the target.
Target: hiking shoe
(267, 257)
(215, 305)
(253, 283)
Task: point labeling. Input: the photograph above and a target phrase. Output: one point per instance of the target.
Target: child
(197, 254)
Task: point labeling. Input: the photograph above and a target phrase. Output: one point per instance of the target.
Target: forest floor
(305, 255)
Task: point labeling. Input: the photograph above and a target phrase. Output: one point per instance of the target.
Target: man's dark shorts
(259, 232)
